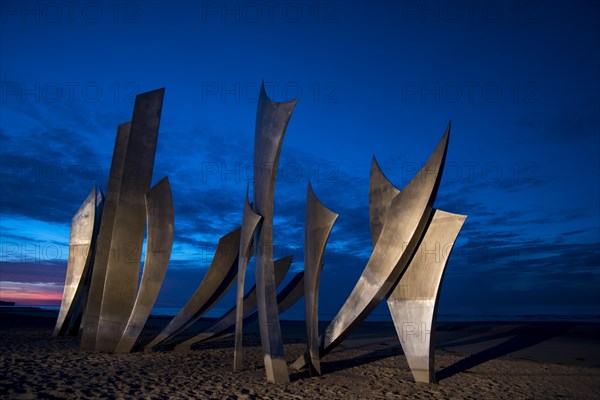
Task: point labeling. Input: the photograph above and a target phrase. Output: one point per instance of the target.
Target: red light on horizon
(23, 293)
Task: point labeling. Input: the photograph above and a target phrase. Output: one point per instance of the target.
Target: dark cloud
(44, 184)
(46, 174)
(52, 272)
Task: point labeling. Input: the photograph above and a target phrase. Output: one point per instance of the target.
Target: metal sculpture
(319, 221)
(413, 303)
(91, 315)
(83, 289)
(108, 306)
(120, 286)
(84, 229)
(216, 282)
(407, 217)
(381, 194)
(291, 293)
(402, 229)
(271, 122)
(250, 221)
(286, 297)
(101, 296)
(159, 204)
(228, 321)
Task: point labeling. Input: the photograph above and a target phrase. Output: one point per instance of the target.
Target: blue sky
(519, 81)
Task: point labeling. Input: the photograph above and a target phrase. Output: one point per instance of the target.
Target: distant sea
(465, 314)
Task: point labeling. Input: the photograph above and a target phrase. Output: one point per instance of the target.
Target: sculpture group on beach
(104, 304)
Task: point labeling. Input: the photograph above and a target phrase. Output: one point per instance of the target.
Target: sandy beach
(532, 360)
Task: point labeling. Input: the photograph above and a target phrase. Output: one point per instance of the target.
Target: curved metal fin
(227, 322)
(122, 271)
(89, 322)
(413, 303)
(406, 220)
(403, 228)
(286, 297)
(318, 224)
(161, 220)
(272, 119)
(83, 290)
(217, 281)
(250, 222)
(381, 194)
(291, 293)
(80, 257)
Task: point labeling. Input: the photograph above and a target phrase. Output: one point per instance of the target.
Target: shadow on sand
(520, 338)
(338, 365)
(328, 367)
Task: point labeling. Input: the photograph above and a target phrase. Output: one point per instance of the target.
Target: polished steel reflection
(161, 220)
(91, 315)
(250, 221)
(122, 272)
(319, 221)
(84, 228)
(228, 321)
(217, 281)
(271, 122)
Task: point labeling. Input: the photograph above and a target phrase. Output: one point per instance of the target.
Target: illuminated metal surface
(84, 226)
(413, 303)
(318, 224)
(381, 194)
(250, 222)
(81, 296)
(403, 227)
(271, 122)
(217, 281)
(89, 323)
(161, 219)
(104, 254)
(122, 272)
(227, 322)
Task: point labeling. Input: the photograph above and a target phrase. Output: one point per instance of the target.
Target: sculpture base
(276, 369)
(423, 376)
